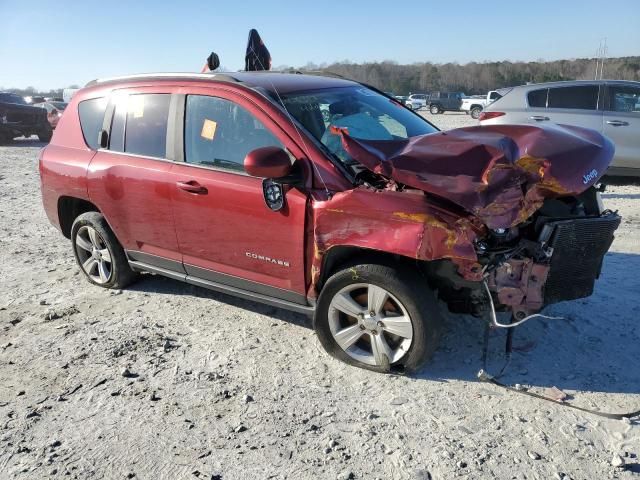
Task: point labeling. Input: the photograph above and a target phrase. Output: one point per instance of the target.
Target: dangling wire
(494, 319)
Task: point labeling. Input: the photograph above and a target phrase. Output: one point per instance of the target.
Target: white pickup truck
(474, 105)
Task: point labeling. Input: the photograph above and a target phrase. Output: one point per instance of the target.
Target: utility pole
(601, 55)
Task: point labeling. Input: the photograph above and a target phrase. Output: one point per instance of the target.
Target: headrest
(344, 107)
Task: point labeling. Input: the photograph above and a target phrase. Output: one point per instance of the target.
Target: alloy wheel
(370, 324)
(93, 254)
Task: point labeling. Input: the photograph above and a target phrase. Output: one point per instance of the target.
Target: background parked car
(68, 93)
(17, 118)
(611, 107)
(54, 111)
(415, 101)
(34, 99)
(439, 102)
(474, 105)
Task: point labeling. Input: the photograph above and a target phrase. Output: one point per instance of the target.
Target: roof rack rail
(223, 77)
(320, 73)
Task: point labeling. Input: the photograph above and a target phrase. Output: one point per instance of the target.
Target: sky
(54, 44)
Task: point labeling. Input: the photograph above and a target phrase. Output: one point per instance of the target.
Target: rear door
(130, 179)
(225, 231)
(576, 105)
(622, 124)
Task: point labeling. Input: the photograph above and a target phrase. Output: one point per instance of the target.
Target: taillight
(490, 115)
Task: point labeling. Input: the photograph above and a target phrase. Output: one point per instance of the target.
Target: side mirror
(274, 165)
(267, 162)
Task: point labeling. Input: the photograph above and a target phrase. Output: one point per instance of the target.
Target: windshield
(12, 98)
(365, 114)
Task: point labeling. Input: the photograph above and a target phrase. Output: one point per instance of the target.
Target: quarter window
(537, 98)
(625, 99)
(91, 114)
(220, 133)
(580, 97)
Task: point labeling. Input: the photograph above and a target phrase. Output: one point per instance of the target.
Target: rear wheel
(98, 252)
(434, 109)
(475, 112)
(378, 317)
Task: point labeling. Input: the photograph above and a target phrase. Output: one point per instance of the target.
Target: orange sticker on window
(338, 130)
(208, 129)
(136, 106)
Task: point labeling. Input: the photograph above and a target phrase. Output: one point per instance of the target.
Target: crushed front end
(554, 256)
(543, 230)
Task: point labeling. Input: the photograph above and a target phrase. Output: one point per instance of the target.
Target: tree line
(477, 78)
(471, 78)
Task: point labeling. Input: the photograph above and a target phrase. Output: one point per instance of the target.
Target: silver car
(416, 101)
(612, 107)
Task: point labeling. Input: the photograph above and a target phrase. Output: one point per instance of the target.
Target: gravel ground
(166, 380)
(449, 120)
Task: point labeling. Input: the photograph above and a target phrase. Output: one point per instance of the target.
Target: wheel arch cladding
(69, 208)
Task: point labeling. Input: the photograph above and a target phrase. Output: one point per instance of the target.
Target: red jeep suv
(325, 196)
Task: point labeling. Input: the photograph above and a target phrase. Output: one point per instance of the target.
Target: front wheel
(434, 109)
(378, 317)
(475, 113)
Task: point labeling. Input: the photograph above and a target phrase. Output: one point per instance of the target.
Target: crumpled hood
(500, 173)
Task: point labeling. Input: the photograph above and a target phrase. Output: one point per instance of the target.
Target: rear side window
(146, 124)
(219, 133)
(582, 98)
(91, 114)
(537, 98)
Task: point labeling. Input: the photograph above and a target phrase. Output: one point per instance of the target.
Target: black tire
(434, 109)
(45, 134)
(409, 106)
(405, 285)
(475, 112)
(121, 273)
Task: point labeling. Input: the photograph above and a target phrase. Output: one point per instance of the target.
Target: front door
(622, 124)
(225, 231)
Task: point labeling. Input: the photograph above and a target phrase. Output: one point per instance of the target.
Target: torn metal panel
(401, 223)
(499, 173)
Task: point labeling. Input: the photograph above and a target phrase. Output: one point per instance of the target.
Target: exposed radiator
(579, 246)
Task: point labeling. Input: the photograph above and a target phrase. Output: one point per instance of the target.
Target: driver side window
(219, 133)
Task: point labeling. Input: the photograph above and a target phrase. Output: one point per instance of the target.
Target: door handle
(617, 123)
(192, 187)
(538, 118)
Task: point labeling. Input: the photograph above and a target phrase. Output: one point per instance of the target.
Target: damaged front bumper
(563, 264)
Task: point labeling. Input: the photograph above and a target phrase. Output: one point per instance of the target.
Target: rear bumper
(623, 171)
(16, 129)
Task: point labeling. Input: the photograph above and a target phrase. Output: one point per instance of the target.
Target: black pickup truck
(439, 102)
(19, 119)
